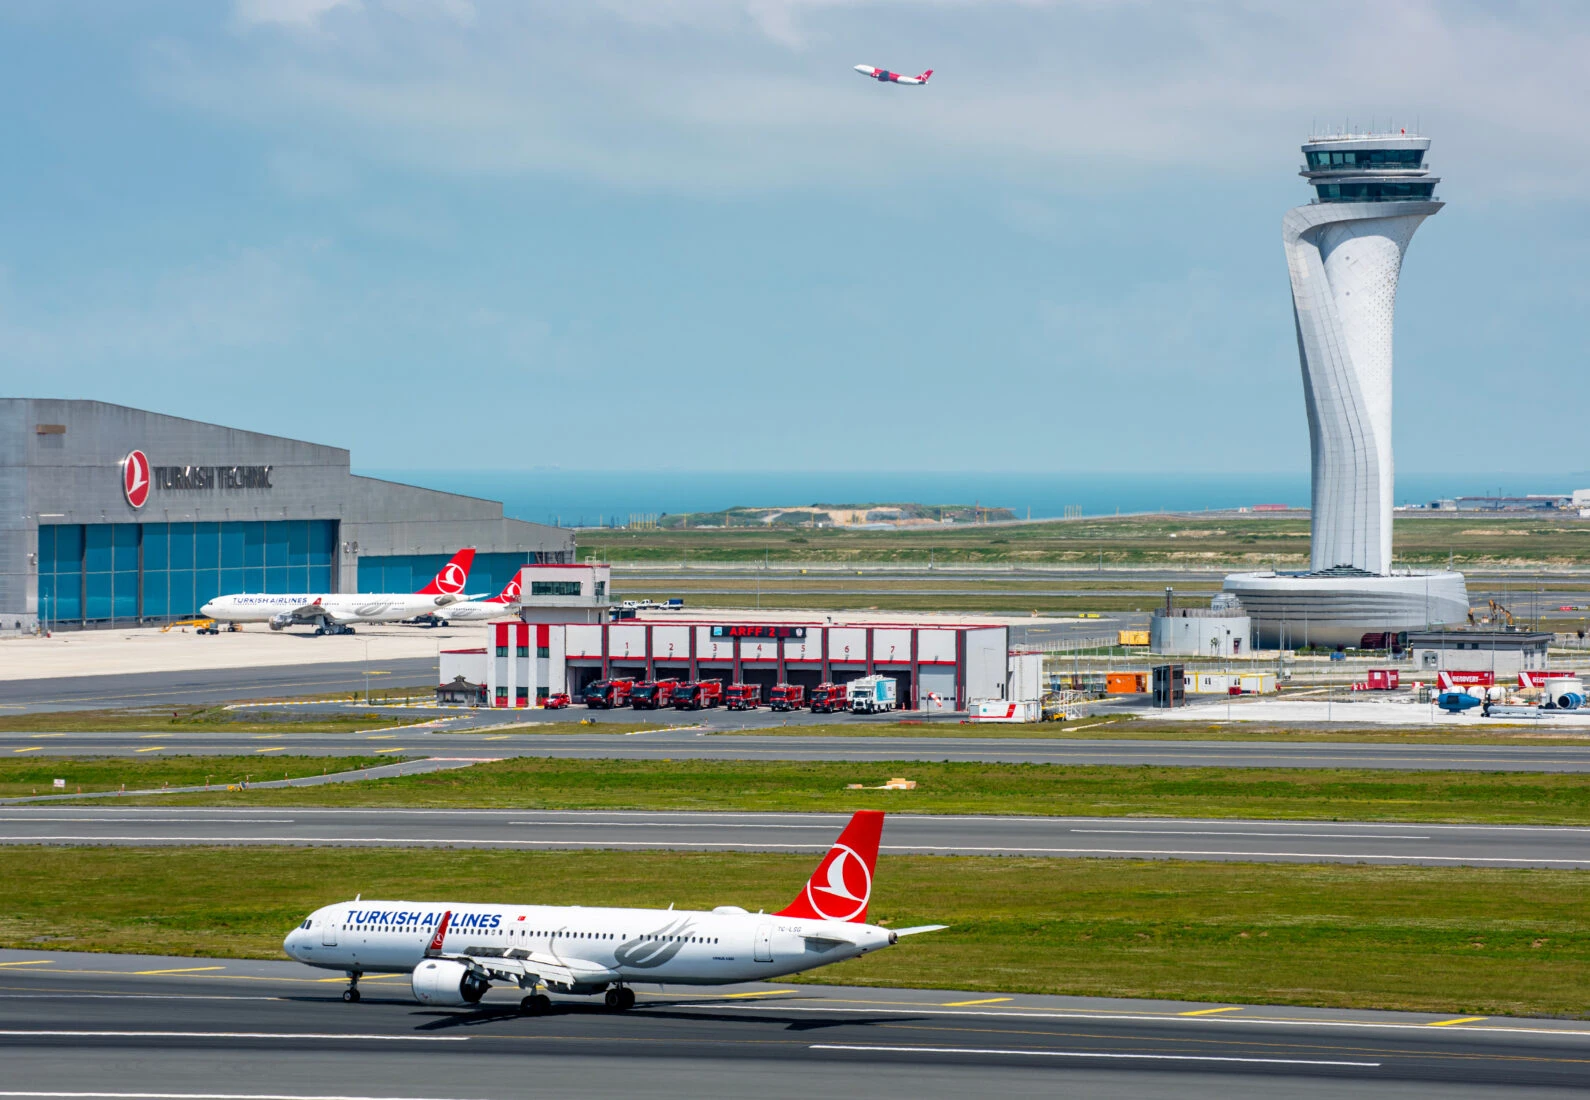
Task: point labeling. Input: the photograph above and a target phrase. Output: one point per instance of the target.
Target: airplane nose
(208, 610)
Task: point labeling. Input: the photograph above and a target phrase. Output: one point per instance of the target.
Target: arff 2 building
(1344, 254)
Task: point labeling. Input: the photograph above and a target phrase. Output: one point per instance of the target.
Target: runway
(212, 685)
(698, 744)
(1058, 837)
(145, 1026)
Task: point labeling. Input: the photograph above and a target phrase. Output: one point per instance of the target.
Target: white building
(1344, 254)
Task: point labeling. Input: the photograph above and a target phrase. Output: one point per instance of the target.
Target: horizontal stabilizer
(919, 929)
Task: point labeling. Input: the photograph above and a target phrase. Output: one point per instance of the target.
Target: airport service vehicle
(333, 612)
(827, 698)
(504, 604)
(698, 695)
(652, 694)
(607, 694)
(884, 76)
(786, 697)
(675, 604)
(872, 694)
(557, 701)
(742, 696)
(453, 952)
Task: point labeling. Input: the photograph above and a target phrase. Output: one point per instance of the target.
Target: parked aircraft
(454, 951)
(886, 77)
(333, 612)
(503, 605)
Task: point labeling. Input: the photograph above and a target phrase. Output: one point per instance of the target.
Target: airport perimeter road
(212, 685)
(1105, 837)
(688, 744)
(82, 1026)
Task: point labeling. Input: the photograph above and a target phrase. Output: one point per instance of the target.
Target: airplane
(454, 951)
(884, 76)
(332, 612)
(504, 604)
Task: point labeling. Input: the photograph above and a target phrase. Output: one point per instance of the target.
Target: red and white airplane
(504, 605)
(454, 952)
(884, 76)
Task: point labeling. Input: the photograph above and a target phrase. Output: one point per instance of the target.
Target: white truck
(872, 694)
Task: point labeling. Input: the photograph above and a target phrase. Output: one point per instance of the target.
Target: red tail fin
(924, 77)
(841, 886)
(435, 947)
(454, 575)
(510, 592)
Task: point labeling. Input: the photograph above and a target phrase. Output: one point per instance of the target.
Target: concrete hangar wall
(113, 514)
(956, 663)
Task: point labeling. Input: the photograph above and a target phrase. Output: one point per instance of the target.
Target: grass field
(1290, 793)
(22, 776)
(194, 720)
(1447, 940)
(1222, 539)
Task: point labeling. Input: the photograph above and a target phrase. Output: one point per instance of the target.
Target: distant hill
(867, 514)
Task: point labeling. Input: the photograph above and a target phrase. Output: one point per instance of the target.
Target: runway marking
(180, 970)
(1092, 1054)
(399, 748)
(150, 736)
(226, 1035)
(1209, 1011)
(41, 736)
(1229, 832)
(30, 962)
(31, 748)
(194, 1096)
(273, 748)
(381, 737)
(1459, 1020)
(151, 748)
(757, 993)
(966, 1004)
(362, 978)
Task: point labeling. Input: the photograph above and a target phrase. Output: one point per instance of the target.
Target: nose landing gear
(351, 994)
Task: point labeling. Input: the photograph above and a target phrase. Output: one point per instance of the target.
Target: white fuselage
(478, 611)
(347, 607)
(640, 945)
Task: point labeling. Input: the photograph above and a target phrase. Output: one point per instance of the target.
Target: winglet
(453, 576)
(435, 947)
(841, 886)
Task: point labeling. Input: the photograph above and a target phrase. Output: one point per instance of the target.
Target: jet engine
(1570, 700)
(281, 620)
(445, 982)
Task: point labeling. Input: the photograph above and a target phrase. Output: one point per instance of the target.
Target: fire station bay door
(764, 943)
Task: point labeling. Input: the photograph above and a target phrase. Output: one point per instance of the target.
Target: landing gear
(351, 994)
(322, 629)
(619, 999)
(537, 1004)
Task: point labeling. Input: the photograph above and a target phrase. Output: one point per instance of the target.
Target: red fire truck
(827, 698)
(787, 697)
(698, 695)
(743, 696)
(653, 694)
(607, 694)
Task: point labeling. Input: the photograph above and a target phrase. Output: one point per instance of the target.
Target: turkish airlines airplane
(333, 612)
(884, 76)
(502, 605)
(453, 952)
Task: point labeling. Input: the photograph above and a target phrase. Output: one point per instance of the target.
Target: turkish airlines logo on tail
(842, 885)
(135, 478)
(511, 593)
(451, 579)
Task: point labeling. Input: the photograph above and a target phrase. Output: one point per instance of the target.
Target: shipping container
(1125, 683)
(1003, 710)
(1131, 637)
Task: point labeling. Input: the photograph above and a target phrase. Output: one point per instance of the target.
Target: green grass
(945, 788)
(27, 775)
(1454, 940)
(195, 720)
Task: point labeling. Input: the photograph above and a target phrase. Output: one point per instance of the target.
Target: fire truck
(607, 694)
(653, 694)
(743, 696)
(827, 698)
(698, 695)
(787, 697)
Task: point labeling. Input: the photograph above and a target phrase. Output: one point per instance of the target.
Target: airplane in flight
(503, 605)
(332, 612)
(454, 951)
(884, 76)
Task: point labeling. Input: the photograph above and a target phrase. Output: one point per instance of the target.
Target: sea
(600, 498)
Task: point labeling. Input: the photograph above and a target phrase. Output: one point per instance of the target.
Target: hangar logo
(135, 478)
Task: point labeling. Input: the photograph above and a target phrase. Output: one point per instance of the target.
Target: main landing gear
(619, 999)
(351, 994)
(332, 628)
(537, 1004)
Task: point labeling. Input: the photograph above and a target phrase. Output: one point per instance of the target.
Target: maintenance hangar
(113, 515)
(525, 662)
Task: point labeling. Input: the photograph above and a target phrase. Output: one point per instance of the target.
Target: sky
(683, 235)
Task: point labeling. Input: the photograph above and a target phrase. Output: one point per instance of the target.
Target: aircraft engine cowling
(444, 982)
(281, 621)
(1570, 700)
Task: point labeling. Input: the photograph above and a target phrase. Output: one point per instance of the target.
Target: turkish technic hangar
(116, 516)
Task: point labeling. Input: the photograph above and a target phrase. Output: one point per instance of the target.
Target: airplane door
(328, 933)
(764, 943)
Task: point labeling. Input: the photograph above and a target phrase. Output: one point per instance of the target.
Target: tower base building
(1338, 607)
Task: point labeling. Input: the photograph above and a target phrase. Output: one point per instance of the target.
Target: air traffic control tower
(1344, 253)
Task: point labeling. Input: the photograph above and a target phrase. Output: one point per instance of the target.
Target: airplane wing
(517, 966)
(313, 612)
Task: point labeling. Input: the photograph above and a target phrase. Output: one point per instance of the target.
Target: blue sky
(676, 234)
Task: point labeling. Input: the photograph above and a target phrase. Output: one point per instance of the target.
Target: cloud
(301, 14)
